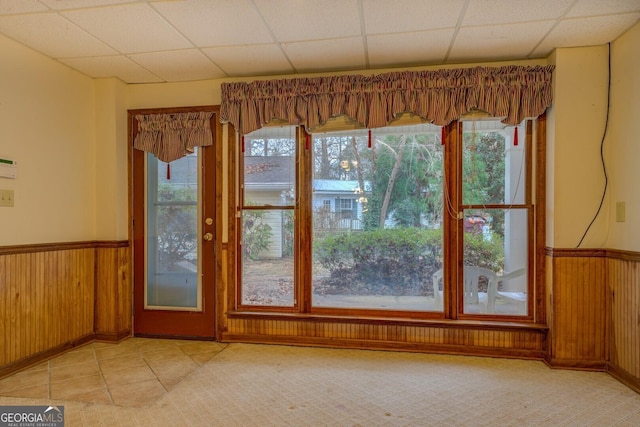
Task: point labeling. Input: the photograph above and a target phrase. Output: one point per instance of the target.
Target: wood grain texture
(47, 300)
(53, 296)
(509, 341)
(113, 294)
(579, 318)
(624, 326)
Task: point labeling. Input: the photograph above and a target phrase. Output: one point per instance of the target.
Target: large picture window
(383, 242)
(388, 222)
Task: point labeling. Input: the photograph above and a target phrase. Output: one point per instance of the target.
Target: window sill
(396, 321)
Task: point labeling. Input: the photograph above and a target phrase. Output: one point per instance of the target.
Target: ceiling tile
(492, 12)
(498, 42)
(130, 28)
(601, 30)
(8, 7)
(410, 15)
(220, 23)
(337, 54)
(598, 7)
(75, 4)
(418, 48)
(293, 21)
(249, 60)
(179, 65)
(63, 38)
(112, 66)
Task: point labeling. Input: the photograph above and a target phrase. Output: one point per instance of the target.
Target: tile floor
(134, 373)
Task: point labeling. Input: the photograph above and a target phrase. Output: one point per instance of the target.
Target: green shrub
(393, 261)
(256, 234)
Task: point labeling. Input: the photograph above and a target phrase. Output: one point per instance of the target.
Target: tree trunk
(392, 179)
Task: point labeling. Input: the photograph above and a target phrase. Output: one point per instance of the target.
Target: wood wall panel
(49, 298)
(579, 310)
(113, 293)
(461, 339)
(624, 333)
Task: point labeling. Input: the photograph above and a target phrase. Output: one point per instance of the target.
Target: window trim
(536, 178)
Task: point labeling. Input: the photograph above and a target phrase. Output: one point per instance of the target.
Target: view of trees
(176, 226)
(401, 185)
(404, 174)
(400, 206)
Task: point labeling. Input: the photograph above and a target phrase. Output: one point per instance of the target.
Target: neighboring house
(337, 205)
(270, 180)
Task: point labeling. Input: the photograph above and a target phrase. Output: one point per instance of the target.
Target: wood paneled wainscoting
(623, 279)
(57, 296)
(594, 311)
(470, 338)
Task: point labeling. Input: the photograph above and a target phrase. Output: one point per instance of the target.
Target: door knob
(208, 237)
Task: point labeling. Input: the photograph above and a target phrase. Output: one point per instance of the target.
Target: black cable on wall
(604, 134)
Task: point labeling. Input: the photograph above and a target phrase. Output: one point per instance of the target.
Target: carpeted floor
(261, 385)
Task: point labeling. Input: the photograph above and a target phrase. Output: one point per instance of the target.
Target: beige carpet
(259, 385)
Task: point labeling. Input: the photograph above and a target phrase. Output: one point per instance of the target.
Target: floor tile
(76, 386)
(101, 395)
(116, 350)
(131, 373)
(24, 379)
(120, 362)
(74, 357)
(35, 392)
(127, 375)
(202, 358)
(141, 393)
(197, 347)
(67, 372)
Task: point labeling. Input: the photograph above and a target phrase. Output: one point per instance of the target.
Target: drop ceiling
(182, 40)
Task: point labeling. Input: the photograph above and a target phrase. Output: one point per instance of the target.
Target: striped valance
(438, 96)
(172, 136)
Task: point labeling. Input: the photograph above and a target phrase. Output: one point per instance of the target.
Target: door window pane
(377, 219)
(172, 233)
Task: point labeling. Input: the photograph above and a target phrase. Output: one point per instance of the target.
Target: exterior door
(173, 229)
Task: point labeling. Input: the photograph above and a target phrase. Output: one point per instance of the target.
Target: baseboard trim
(62, 246)
(113, 337)
(34, 359)
(624, 377)
(576, 364)
(451, 349)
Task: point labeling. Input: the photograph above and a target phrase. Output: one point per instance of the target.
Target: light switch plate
(6, 198)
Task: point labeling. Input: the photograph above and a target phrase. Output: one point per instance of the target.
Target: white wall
(575, 181)
(47, 125)
(111, 185)
(623, 152)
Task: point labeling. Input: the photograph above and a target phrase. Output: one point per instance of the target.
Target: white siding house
(269, 181)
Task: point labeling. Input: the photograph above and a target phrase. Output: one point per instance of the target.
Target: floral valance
(438, 96)
(172, 136)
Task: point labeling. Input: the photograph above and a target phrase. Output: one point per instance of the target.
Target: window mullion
(452, 247)
(304, 230)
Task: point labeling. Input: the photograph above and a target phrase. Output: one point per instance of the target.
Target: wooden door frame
(211, 156)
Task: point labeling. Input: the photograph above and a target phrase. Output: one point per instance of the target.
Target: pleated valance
(172, 136)
(438, 96)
